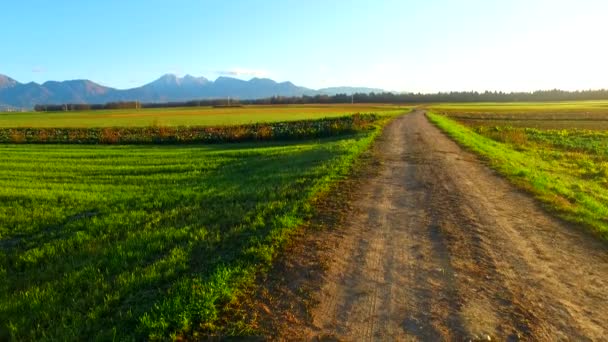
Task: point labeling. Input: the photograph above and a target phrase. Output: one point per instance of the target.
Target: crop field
(137, 242)
(523, 108)
(592, 115)
(565, 164)
(188, 116)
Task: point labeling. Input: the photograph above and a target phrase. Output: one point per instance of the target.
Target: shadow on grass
(167, 257)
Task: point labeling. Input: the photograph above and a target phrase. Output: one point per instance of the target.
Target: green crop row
(289, 130)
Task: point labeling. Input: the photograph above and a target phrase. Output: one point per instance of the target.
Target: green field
(144, 242)
(189, 116)
(153, 242)
(567, 169)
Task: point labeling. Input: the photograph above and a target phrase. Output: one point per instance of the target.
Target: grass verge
(552, 175)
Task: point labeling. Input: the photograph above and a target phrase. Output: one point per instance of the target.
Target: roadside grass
(150, 242)
(566, 170)
(189, 116)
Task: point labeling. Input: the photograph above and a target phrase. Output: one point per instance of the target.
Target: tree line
(385, 97)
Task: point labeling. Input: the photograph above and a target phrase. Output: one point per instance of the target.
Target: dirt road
(438, 247)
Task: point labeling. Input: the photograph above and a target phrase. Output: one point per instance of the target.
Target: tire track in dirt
(438, 247)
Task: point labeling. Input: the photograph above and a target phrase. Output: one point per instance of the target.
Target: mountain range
(165, 89)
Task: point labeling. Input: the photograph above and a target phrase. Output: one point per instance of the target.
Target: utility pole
(352, 98)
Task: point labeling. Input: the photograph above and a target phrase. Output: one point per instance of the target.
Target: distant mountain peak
(227, 78)
(174, 80)
(193, 79)
(167, 79)
(7, 82)
(262, 80)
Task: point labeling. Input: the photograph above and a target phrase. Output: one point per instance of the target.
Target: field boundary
(273, 131)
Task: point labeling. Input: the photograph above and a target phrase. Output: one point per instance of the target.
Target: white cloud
(240, 72)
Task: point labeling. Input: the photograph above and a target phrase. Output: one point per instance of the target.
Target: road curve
(438, 247)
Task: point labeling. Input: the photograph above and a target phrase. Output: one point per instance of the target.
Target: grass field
(152, 242)
(189, 116)
(567, 169)
(145, 242)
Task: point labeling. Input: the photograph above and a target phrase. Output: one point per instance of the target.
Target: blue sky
(433, 45)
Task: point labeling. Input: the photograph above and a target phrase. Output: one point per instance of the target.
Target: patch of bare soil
(426, 243)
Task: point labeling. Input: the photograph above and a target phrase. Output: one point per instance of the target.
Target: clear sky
(431, 45)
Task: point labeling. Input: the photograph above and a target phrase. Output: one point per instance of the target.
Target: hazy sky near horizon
(432, 45)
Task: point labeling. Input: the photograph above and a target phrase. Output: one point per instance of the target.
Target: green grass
(149, 242)
(189, 116)
(566, 170)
